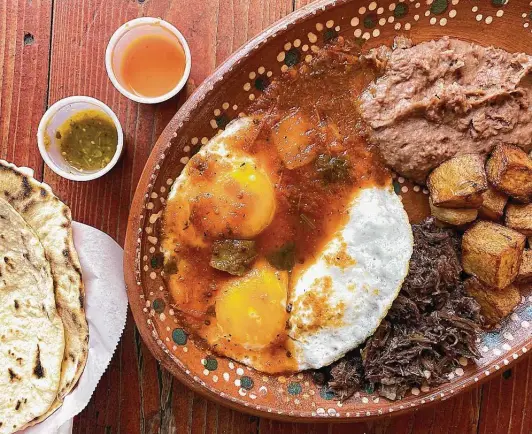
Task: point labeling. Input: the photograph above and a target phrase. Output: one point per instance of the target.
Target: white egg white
(336, 308)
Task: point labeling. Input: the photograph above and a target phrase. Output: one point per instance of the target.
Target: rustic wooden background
(51, 49)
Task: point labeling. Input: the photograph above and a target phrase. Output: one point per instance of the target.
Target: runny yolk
(251, 311)
(238, 202)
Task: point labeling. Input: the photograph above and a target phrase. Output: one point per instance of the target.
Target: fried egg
(251, 318)
(222, 191)
(270, 319)
(339, 301)
(336, 303)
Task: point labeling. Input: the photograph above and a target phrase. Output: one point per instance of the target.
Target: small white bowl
(54, 117)
(124, 36)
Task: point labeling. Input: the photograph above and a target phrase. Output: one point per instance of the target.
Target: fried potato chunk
(495, 304)
(519, 218)
(493, 203)
(458, 182)
(453, 216)
(294, 138)
(525, 270)
(509, 169)
(492, 253)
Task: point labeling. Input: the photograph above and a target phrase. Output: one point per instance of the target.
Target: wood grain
(66, 58)
(24, 53)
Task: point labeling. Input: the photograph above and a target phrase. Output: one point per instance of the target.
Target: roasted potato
(525, 270)
(453, 216)
(294, 138)
(458, 182)
(495, 304)
(493, 203)
(492, 253)
(509, 169)
(519, 218)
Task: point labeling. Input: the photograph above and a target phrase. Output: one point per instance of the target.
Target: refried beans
(441, 98)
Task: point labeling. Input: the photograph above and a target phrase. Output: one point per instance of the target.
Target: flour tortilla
(52, 222)
(31, 333)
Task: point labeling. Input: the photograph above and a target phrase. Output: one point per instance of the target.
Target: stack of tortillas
(43, 330)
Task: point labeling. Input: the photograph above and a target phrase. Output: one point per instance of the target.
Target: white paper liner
(101, 261)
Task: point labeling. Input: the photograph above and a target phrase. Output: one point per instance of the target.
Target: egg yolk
(237, 202)
(251, 311)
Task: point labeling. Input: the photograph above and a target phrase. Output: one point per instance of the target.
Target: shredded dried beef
(430, 325)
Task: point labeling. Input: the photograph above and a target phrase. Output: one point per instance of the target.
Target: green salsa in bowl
(80, 138)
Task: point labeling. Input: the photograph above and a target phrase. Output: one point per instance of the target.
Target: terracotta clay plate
(221, 98)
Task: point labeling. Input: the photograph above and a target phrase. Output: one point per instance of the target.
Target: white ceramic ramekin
(123, 37)
(54, 117)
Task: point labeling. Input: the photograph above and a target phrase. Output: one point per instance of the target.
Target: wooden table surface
(51, 49)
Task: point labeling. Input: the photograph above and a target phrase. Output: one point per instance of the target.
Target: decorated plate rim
(132, 262)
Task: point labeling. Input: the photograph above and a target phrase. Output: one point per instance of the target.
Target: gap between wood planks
(166, 382)
(49, 76)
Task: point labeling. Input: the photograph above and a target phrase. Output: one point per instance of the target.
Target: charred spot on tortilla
(26, 187)
(13, 376)
(46, 215)
(38, 369)
(8, 263)
(68, 256)
(16, 305)
(17, 407)
(74, 320)
(29, 204)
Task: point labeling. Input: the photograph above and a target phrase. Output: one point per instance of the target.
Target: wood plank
(136, 395)
(128, 397)
(507, 403)
(24, 51)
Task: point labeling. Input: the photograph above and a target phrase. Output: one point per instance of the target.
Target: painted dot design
(158, 305)
(400, 11)
(246, 383)
(329, 35)
(368, 20)
(222, 120)
(179, 337)
(210, 363)
(369, 389)
(397, 187)
(294, 388)
(326, 393)
(157, 261)
(261, 83)
(292, 57)
(438, 7)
